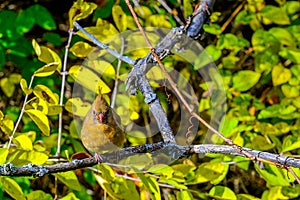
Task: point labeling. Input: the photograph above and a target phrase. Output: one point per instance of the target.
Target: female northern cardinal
(101, 128)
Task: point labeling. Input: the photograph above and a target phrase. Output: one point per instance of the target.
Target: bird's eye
(100, 117)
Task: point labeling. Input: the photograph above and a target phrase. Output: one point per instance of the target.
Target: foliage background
(257, 53)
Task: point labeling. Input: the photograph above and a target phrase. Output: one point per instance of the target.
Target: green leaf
(88, 79)
(244, 17)
(275, 15)
(230, 41)
(265, 60)
(221, 192)
(38, 195)
(2, 57)
(135, 137)
(69, 178)
(291, 54)
(262, 40)
(187, 8)
(290, 143)
(260, 143)
(184, 195)
(150, 184)
(162, 169)
(214, 29)
(40, 119)
(12, 188)
(53, 38)
(42, 17)
(25, 21)
(207, 172)
(119, 17)
(213, 51)
(280, 75)
(283, 36)
(273, 175)
(244, 80)
(290, 91)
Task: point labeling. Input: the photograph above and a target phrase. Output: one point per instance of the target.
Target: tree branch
(174, 150)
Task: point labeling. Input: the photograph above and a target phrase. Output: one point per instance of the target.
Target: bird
(101, 130)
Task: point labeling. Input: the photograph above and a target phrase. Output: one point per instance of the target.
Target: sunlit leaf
(183, 195)
(12, 188)
(221, 192)
(3, 155)
(273, 175)
(69, 178)
(280, 75)
(119, 17)
(151, 185)
(43, 92)
(38, 195)
(88, 79)
(24, 87)
(24, 142)
(80, 10)
(275, 15)
(77, 107)
(40, 119)
(81, 49)
(46, 55)
(46, 70)
(244, 80)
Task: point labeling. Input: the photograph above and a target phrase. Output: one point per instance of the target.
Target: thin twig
(21, 114)
(63, 73)
(165, 5)
(104, 46)
(114, 94)
(235, 12)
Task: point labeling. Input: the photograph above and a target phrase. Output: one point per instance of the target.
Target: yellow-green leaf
(54, 109)
(221, 192)
(38, 195)
(280, 75)
(183, 195)
(150, 184)
(80, 10)
(81, 49)
(40, 119)
(46, 70)
(102, 67)
(6, 125)
(43, 92)
(88, 79)
(46, 55)
(77, 107)
(244, 80)
(23, 142)
(70, 179)
(24, 87)
(12, 188)
(3, 155)
(119, 17)
(7, 86)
